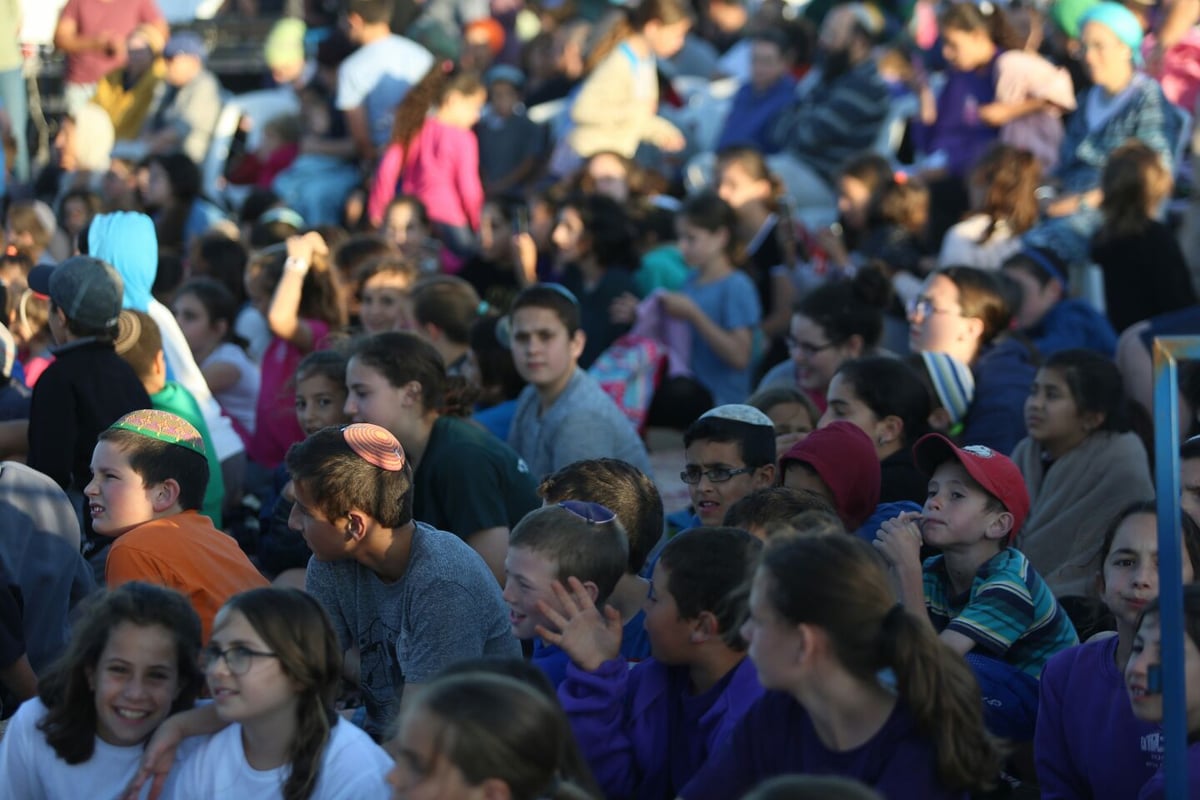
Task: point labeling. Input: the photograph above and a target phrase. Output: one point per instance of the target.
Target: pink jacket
(442, 172)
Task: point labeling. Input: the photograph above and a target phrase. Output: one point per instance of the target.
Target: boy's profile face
(668, 631)
(543, 352)
(956, 509)
(326, 540)
(712, 499)
(530, 578)
(118, 497)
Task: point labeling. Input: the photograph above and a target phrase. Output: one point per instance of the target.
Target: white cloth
(961, 247)
(184, 370)
(241, 400)
(352, 767)
(377, 76)
(252, 326)
(31, 770)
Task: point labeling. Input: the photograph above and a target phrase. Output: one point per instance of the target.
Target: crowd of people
(348, 472)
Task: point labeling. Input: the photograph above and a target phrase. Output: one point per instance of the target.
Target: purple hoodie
(643, 734)
(777, 737)
(1088, 744)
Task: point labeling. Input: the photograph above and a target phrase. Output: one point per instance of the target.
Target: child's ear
(593, 590)
(1000, 527)
(164, 495)
(939, 420)
(221, 326)
(357, 525)
(706, 628)
(972, 326)
(160, 365)
(495, 789)
(889, 429)
(855, 346)
(1091, 421)
(578, 341)
(764, 477)
(412, 393)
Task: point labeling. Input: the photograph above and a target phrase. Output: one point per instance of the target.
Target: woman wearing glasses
(964, 313)
(274, 668)
(131, 662)
(833, 323)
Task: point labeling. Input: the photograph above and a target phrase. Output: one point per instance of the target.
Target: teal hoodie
(126, 239)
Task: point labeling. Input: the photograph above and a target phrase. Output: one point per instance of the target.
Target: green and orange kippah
(375, 445)
(163, 426)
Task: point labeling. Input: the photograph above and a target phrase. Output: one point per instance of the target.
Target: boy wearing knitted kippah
(149, 475)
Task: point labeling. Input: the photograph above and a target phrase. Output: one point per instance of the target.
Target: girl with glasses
(966, 313)
(130, 663)
(274, 668)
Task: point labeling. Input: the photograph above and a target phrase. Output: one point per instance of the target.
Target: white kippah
(739, 412)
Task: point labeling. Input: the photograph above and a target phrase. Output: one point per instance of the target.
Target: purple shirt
(959, 132)
(1155, 788)
(776, 737)
(1088, 744)
(642, 732)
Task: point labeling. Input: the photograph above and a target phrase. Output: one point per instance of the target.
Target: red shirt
(97, 17)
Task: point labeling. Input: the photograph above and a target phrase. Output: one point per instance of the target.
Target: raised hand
(588, 637)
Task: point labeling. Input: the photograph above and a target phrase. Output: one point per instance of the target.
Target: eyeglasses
(591, 513)
(809, 350)
(692, 475)
(921, 307)
(238, 658)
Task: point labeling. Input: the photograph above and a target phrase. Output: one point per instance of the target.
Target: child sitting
(384, 299)
(563, 415)
(982, 596)
(74, 734)
(412, 599)
(274, 668)
(571, 540)
(1088, 742)
(951, 389)
(443, 308)
(687, 698)
(792, 412)
(1145, 693)
(88, 387)
(278, 148)
(1047, 316)
(730, 452)
(634, 498)
(140, 344)
(510, 144)
(149, 475)
(838, 463)
(30, 226)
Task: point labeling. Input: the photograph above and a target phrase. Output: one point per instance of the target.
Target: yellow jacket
(128, 107)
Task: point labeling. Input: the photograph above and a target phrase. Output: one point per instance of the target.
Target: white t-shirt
(352, 767)
(961, 247)
(252, 326)
(31, 770)
(377, 76)
(240, 400)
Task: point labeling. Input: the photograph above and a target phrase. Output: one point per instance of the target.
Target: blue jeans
(14, 96)
(1010, 698)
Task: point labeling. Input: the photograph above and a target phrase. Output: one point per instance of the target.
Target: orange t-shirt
(186, 553)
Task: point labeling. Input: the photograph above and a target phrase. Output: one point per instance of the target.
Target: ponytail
(441, 79)
(631, 21)
(941, 693)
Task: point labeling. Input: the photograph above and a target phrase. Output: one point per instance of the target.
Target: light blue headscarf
(126, 239)
(1121, 21)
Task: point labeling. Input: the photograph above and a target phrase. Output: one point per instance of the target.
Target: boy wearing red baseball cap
(982, 596)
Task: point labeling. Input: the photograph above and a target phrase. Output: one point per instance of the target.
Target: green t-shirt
(468, 481)
(179, 401)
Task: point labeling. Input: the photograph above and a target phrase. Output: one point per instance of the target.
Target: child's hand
(157, 760)
(899, 539)
(623, 310)
(303, 248)
(678, 305)
(525, 249)
(588, 637)
(672, 142)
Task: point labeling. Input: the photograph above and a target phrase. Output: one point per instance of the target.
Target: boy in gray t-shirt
(411, 599)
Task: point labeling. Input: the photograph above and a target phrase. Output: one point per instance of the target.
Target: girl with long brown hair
(1003, 206)
(434, 156)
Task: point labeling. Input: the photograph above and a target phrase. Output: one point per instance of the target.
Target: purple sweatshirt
(776, 737)
(624, 718)
(1155, 788)
(1088, 744)
(959, 132)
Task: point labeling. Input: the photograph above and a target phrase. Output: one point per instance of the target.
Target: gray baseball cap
(87, 289)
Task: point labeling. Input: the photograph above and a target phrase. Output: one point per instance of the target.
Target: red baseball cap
(995, 472)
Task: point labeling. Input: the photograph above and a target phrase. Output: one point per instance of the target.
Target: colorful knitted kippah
(163, 426)
(375, 445)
